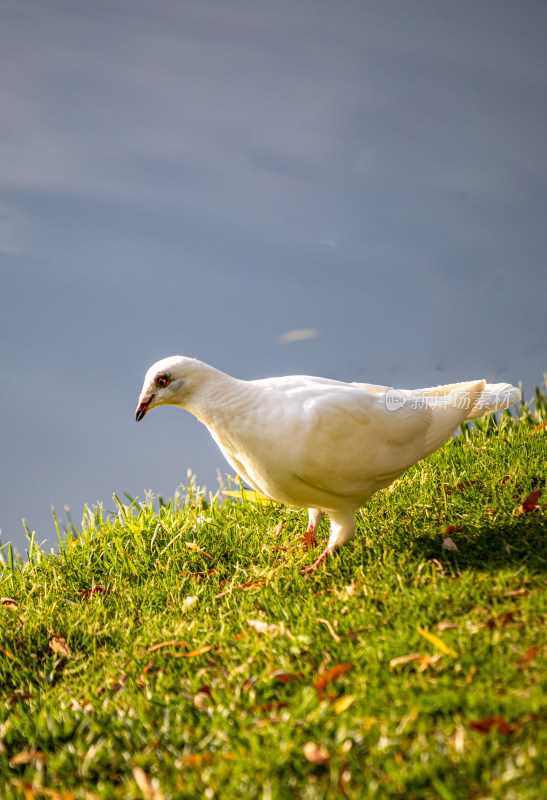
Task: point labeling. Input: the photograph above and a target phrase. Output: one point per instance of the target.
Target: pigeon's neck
(217, 399)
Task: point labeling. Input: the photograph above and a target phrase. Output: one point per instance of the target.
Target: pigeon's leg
(342, 529)
(314, 518)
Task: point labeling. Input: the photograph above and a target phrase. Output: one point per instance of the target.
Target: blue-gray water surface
(210, 178)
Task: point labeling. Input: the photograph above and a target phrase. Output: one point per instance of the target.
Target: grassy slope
(226, 711)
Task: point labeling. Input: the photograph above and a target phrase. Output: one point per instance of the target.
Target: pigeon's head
(168, 383)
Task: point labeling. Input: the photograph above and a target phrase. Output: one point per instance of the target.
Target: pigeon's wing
(356, 443)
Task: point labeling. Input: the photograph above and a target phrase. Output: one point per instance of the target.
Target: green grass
(222, 710)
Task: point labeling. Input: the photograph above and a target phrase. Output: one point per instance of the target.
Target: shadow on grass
(489, 547)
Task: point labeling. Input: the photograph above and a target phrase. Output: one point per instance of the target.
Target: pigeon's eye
(162, 381)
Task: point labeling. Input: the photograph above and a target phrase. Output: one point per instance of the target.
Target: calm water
(206, 178)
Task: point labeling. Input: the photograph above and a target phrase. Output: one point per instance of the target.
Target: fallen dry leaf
(446, 626)
(503, 620)
(275, 705)
(308, 539)
(198, 549)
(115, 686)
(170, 643)
(277, 530)
(332, 674)
(487, 723)
(58, 645)
(528, 657)
(461, 486)
(9, 602)
(315, 754)
(262, 723)
(424, 661)
(407, 659)
(197, 759)
(285, 677)
(199, 652)
(149, 789)
(470, 675)
(203, 697)
(330, 629)
(452, 529)
(27, 757)
(516, 592)
(87, 593)
(343, 703)
(530, 502)
(141, 680)
(268, 627)
(541, 427)
(438, 642)
(450, 544)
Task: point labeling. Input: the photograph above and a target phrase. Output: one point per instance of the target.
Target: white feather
(317, 443)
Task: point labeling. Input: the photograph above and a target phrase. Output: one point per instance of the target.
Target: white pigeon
(320, 444)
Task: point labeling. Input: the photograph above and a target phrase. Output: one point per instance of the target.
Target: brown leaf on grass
(276, 705)
(450, 544)
(170, 643)
(87, 593)
(516, 592)
(199, 652)
(530, 503)
(315, 754)
(423, 661)
(115, 686)
(465, 484)
(487, 723)
(17, 696)
(251, 584)
(141, 680)
(452, 529)
(262, 723)
(58, 645)
(446, 626)
(277, 530)
(503, 620)
(198, 549)
(332, 674)
(528, 657)
(285, 677)
(197, 759)
(203, 697)
(470, 675)
(9, 602)
(27, 757)
(149, 789)
(541, 427)
(63, 794)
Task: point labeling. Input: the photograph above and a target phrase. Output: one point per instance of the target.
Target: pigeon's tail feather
(478, 397)
(494, 397)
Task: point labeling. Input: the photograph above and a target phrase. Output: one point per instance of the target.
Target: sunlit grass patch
(174, 649)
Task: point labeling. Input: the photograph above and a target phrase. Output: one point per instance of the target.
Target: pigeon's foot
(309, 540)
(324, 555)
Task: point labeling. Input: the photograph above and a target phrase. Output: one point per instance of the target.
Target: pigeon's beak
(143, 407)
